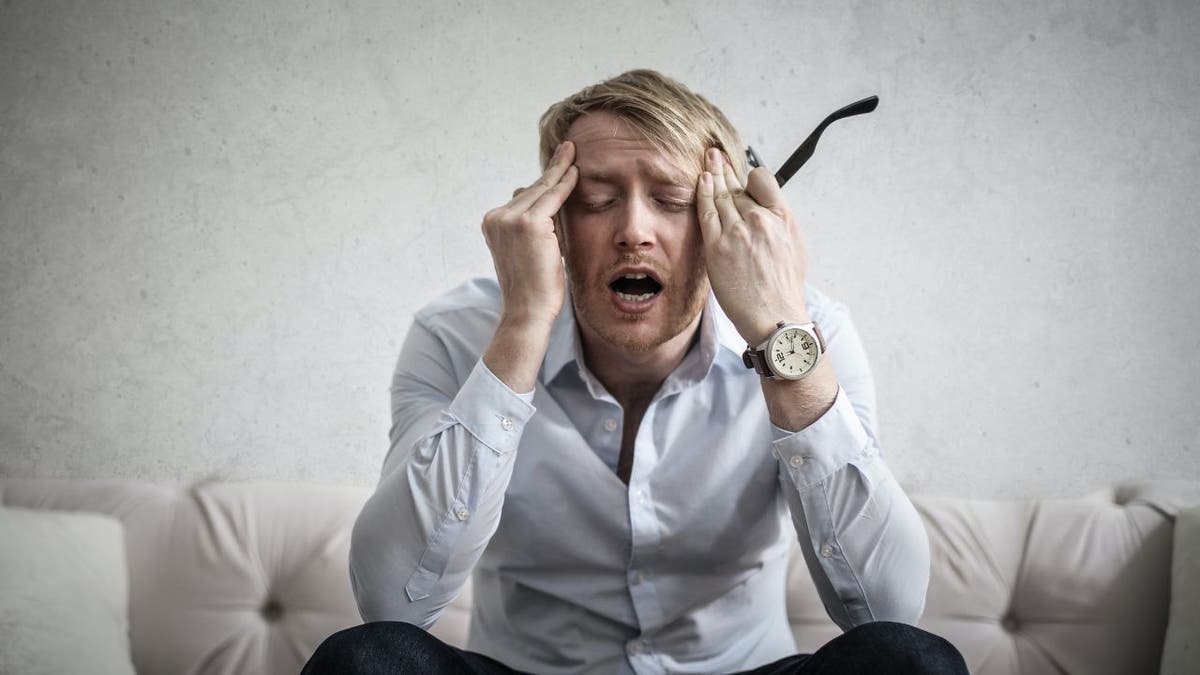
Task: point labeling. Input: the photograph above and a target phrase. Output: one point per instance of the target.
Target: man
(582, 436)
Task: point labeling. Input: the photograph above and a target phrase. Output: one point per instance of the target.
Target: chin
(632, 342)
(638, 333)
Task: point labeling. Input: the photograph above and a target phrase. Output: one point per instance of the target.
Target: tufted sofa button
(1010, 623)
(271, 610)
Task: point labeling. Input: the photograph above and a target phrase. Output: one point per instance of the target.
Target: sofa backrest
(251, 577)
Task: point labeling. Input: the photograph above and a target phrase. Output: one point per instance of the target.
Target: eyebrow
(653, 171)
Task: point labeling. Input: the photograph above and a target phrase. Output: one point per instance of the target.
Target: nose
(635, 228)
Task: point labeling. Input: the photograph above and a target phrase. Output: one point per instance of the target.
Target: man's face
(633, 213)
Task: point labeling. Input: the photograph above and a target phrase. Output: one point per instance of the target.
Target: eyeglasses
(805, 151)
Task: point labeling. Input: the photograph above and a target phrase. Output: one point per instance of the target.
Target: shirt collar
(716, 331)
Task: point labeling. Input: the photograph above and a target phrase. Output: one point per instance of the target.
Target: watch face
(793, 353)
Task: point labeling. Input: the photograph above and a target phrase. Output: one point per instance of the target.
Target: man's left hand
(753, 248)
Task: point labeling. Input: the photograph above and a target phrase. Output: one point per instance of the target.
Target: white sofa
(250, 577)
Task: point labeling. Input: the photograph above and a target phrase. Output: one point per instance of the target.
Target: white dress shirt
(682, 570)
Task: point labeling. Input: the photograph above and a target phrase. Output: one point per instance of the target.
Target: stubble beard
(684, 295)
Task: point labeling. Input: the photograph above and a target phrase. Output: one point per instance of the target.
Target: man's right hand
(529, 269)
(524, 248)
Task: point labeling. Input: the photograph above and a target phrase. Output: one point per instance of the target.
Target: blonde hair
(677, 121)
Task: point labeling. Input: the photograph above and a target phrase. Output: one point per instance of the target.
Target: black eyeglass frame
(806, 149)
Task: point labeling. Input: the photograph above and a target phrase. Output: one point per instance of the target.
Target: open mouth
(635, 287)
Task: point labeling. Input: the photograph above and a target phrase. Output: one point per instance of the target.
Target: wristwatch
(790, 353)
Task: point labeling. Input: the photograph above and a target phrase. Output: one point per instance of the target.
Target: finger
(563, 157)
(722, 195)
(741, 200)
(552, 200)
(706, 209)
(764, 189)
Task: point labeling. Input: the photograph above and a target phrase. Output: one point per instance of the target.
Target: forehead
(608, 147)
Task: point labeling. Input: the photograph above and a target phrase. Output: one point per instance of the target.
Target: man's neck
(633, 378)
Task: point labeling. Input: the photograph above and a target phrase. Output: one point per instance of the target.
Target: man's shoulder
(463, 318)
(475, 299)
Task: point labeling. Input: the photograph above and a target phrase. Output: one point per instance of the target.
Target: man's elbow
(899, 596)
(901, 604)
(377, 574)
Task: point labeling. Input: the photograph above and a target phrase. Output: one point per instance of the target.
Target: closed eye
(669, 205)
(675, 205)
(599, 205)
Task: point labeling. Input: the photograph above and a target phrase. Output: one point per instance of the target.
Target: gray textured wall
(216, 222)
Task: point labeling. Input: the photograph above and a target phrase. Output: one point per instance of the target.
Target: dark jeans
(880, 648)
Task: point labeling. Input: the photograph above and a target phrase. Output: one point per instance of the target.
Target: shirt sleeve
(440, 494)
(863, 541)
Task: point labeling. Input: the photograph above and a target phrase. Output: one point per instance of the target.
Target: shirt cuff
(490, 410)
(816, 452)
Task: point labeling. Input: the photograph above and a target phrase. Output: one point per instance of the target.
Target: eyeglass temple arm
(806, 149)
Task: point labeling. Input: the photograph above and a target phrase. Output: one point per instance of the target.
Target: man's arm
(439, 499)
(442, 487)
(864, 543)
(862, 539)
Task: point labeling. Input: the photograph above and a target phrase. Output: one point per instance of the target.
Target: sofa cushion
(1181, 649)
(227, 577)
(64, 593)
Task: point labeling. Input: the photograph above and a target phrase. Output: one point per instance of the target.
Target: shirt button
(636, 577)
(506, 423)
(462, 513)
(796, 461)
(637, 647)
(610, 425)
(826, 551)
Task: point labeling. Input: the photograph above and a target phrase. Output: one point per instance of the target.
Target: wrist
(527, 321)
(516, 351)
(794, 405)
(758, 328)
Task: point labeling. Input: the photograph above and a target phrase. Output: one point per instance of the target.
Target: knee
(377, 647)
(900, 648)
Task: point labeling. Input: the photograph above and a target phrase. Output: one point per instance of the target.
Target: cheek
(581, 232)
(690, 241)
(578, 247)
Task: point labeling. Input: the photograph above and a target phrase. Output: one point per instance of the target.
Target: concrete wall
(216, 221)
